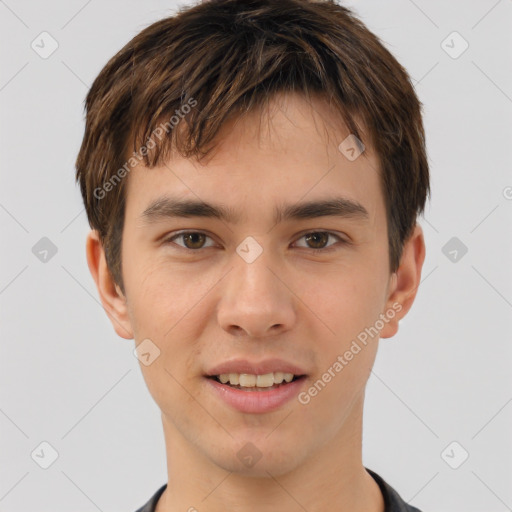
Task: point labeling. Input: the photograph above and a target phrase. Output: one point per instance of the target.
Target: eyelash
(314, 251)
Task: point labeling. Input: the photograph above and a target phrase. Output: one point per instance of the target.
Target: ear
(404, 282)
(112, 299)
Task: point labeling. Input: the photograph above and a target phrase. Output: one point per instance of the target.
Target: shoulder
(392, 500)
(150, 506)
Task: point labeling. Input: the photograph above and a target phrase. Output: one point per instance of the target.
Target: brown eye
(193, 240)
(319, 240)
(190, 240)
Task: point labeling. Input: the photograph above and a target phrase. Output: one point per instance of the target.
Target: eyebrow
(170, 207)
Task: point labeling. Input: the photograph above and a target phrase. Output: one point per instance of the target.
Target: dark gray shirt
(392, 501)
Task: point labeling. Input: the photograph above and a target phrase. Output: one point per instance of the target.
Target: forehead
(292, 149)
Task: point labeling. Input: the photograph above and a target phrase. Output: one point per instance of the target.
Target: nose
(255, 301)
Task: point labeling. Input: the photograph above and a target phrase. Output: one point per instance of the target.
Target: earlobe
(112, 299)
(405, 282)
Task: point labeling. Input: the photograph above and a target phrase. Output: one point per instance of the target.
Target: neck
(332, 477)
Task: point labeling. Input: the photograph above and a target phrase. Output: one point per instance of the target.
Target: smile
(251, 398)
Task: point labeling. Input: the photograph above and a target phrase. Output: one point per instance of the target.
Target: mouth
(256, 386)
(253, 394)
(256, 383)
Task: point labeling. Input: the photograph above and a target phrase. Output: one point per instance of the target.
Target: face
(301, 288)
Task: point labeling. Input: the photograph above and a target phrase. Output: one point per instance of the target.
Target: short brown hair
(230, 57)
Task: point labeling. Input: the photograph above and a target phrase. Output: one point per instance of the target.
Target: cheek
(345, 300)
(171, 379)
(350, 303)
(160, 296)
(168, 307)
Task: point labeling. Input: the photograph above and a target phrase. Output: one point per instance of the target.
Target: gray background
(67, 379)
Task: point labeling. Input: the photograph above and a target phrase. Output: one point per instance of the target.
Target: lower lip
(257, 401)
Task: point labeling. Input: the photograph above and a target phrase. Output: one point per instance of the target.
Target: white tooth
(265, 381)
(278, 377)
(250, 380)
(247, 381)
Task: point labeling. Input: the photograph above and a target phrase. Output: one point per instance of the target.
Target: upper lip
(255, 368)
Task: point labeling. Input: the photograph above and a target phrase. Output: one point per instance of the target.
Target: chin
(259, 459)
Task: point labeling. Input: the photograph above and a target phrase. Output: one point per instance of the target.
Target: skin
(202, 308)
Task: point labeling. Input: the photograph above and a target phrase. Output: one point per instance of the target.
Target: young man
(252, 173)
